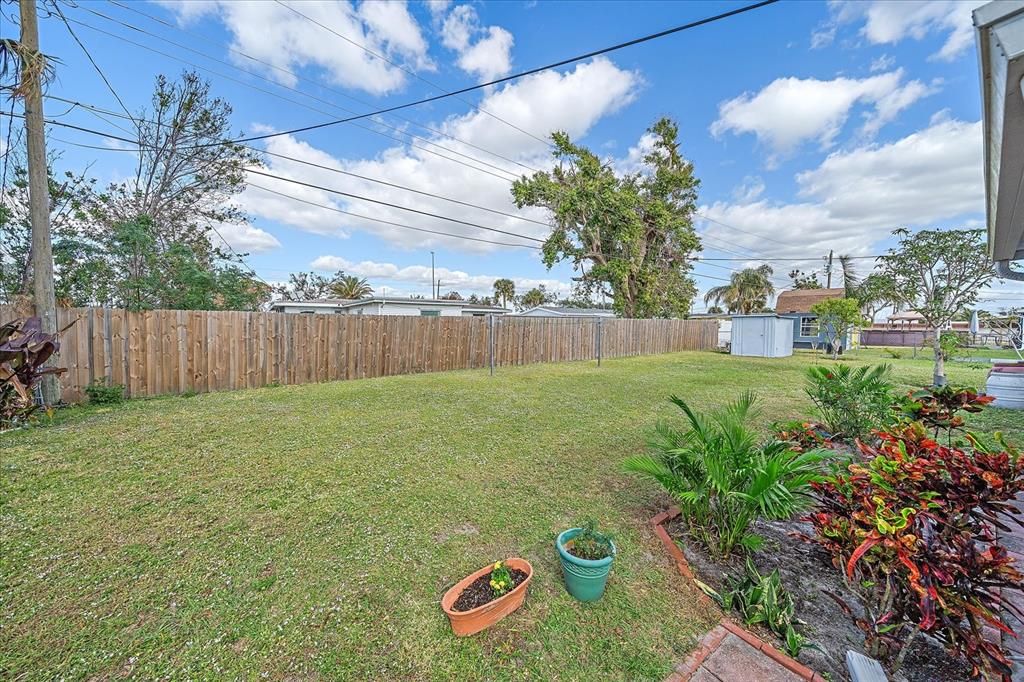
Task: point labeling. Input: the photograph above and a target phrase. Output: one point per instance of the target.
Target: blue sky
(812, 126)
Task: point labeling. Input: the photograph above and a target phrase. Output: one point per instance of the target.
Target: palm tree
(351, 287)
(748, 290)
(872, 292)
(725, 477)
(504, 289)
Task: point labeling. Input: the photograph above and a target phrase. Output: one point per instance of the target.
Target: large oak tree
(628, 236)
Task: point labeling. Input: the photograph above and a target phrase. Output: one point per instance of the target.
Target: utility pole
(432, 272)
(828, 271)
(38, 190)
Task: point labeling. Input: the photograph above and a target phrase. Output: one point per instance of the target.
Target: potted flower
(484, 597)
(586, 557)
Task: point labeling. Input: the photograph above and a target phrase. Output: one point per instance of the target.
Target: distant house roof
(351, 303)
(801, 300)
(563, 311)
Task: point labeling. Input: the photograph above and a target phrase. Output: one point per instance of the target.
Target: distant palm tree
(351, 287)
(504, 289)
(872, 292)
(748, 290)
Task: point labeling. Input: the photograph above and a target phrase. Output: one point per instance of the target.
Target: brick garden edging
(714, 638)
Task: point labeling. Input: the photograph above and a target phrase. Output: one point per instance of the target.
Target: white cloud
(888, 22)
(752, 188)
(790, 111)
(420, 276)
(854, 199)
(246, 238)
(573, 101)
(490, 56)
(274, 34)
(883, 63)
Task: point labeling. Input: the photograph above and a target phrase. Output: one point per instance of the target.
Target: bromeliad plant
(501, 579)
(24, 350)
(761, 600)
(724, 478)
(851, 401)
(914, 531)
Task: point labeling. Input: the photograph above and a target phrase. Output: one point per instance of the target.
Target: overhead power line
(311, 185)
(412, 73)
(563, 62)
(299, 76)
(95, 109)
(291, 100)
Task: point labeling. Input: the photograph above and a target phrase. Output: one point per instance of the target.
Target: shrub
(100, 392)
(723, 478)
(937, 407)
(851, 401)
(893, 353)
(761, 600)
(803, 435)
(914, 531)
(590, 543)
(24, 349)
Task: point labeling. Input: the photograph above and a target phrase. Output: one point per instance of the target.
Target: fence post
(597, 331)
(490, 341)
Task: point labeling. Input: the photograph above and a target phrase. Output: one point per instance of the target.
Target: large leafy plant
(724, 478)
(938, 407)
(761, 600)
(914, 531)
(851, 401)
(24, 350)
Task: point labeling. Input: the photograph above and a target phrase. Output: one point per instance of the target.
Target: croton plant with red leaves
(938, 407)
(913, 528)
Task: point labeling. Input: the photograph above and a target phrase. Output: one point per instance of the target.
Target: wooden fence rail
(156, 352)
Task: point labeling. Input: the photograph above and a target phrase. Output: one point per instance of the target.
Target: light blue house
(795, 305)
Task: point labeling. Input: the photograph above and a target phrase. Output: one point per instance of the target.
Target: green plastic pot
(584, 579)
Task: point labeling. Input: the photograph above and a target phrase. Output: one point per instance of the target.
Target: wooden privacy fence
(156, 352)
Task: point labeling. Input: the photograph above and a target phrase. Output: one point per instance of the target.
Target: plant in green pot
(586, 556)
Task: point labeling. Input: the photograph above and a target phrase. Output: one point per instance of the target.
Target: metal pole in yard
(490, 341)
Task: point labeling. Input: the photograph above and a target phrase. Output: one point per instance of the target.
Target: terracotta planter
(473, 621)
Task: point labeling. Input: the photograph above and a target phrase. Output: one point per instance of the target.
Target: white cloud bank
(274, 34)
(854, 199)
(791, 111)
(419, 277)
(886, 22)
(573, 101)
(245, 238)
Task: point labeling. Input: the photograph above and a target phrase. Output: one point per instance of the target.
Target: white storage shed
(762, 336)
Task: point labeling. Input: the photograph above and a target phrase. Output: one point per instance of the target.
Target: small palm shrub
(724, 478)
(851, 401)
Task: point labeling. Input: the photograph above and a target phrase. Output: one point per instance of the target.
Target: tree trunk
(939, 376)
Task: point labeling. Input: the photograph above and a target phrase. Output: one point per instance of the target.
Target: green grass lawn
(308, 532)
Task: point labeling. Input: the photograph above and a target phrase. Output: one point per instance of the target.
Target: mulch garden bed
(479, 591)
(807, 573)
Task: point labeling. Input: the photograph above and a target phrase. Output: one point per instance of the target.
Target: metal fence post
(598, 331)
(490, 341)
